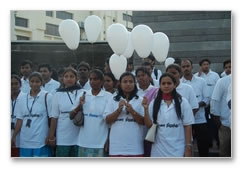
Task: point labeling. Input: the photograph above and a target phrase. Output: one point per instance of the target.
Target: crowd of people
(186, 108)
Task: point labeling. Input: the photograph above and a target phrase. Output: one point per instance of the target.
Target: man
(183, 89)
(83, 71)
(211, 79)
(156, 73)
(227, 68)
(50, 85)
(220, 109)
(130, 67)
(199, 86)
(25, 70)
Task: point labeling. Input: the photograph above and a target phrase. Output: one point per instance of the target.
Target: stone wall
(192, 34)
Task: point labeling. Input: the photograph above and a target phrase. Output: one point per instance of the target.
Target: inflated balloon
(160, 46)
(142, 40)
(92, 27)
(169, 61)
(70, 33)
(129, 49)
(117, 37)
(118, 65)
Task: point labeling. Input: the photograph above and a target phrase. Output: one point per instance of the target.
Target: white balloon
(70, 33)
(118, 65)
(117, 38)
(142, 40)
(169, 61)
(129, 49)
(160, 46)
(92, 27)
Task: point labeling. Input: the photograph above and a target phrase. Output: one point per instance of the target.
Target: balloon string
(93, 65)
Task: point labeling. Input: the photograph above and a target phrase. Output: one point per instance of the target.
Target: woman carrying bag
(63, 133)
(32, 120)
(173, 117)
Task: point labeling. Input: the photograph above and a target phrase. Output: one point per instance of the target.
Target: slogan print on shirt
(169, 125)
(127, 119)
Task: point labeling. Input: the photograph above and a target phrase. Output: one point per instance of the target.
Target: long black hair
(175, 96)
(120, 92)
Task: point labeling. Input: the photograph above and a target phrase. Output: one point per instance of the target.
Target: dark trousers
(212, 127)
(201, 134)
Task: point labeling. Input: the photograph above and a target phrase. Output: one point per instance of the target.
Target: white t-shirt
(16, 105)
(211, 79)
(201, 90)
(25, 85)
(170, 136)
(142, 92)
(126, 135)
(219, 95)
(95, 130)
(66, 131)
(51, 86)
(187, 92)
(35, 135)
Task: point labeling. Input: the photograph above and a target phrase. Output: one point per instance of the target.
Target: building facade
(38, 25)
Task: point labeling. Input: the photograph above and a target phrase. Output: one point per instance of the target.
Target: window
(127, 17)
(21, 22)
(51, 29)
(49, 13)
(64, 15)
(22, 37)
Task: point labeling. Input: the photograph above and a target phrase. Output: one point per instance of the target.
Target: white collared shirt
(187, 92)
(25, 85)
(126, 135)
(170, 136)
(219, 106)
(211, 79)
(95, 130)
(51, 86)
(158, 76)
(86, 86)
(35, 135)
(201, 90)
(66, 131)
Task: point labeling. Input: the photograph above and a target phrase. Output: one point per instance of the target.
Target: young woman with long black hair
(124, 113)
(173, 116)
(32, 120)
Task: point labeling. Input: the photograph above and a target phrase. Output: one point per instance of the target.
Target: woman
(173, 116)
(110, 83)
(66, 132)
(93, 135)
(15, 98)
(124, 113)
(32, 120)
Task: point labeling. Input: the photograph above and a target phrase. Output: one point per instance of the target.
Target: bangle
(134, 113)
(52, 139)
(190, 145)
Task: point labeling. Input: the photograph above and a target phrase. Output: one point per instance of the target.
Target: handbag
(79, 118)
(151, 133)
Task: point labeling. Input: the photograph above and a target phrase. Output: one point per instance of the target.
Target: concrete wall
(192, 34)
